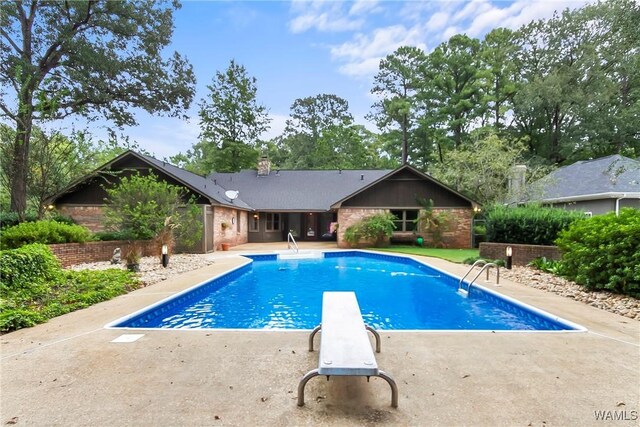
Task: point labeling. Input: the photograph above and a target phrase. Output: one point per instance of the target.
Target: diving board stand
(345, 349)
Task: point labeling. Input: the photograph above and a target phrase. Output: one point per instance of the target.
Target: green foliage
(531, 225)
(310, 119)
(376, 229)
(27, 267)
(113, 235)
(547, 265)
(603, 252)
(144, 207)
(433, 223)
(46, 232)
(66, 292)
(481, 169)
(231, 121)
(9, 219)
(102, 58)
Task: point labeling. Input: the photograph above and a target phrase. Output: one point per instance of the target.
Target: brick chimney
(264, 166)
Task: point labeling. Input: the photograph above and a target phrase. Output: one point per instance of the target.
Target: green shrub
(529, 225)
(376, 229)
(547, 265)
(9, 219)
(46, 232)
(27, 267)
(603, 252)
(17, 318)
(113, 235)
(66, 292)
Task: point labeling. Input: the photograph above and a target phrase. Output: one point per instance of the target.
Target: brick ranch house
(265, 205)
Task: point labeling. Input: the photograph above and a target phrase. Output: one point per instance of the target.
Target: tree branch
(11, 42)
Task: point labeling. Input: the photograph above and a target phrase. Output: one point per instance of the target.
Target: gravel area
(151, 271)
(615, 303)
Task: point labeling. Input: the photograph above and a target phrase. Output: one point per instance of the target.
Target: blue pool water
(393, 293)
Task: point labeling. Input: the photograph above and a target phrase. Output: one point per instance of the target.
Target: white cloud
(361, 7)
(278, 123)
(365, 51)
(437, 21)
(325, 16)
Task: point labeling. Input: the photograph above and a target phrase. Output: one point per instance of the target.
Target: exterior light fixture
(165, 256)
(509, 253)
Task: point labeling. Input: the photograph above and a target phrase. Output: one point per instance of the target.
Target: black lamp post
(165, 256)
(509, 257)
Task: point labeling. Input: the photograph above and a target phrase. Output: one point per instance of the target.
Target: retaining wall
(79, 253)
(521, 254)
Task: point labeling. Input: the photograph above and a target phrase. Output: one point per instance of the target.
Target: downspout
(624, 196)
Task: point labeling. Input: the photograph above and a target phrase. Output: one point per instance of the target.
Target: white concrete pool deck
(69, 372)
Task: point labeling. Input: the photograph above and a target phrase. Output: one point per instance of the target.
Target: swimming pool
(394, 293)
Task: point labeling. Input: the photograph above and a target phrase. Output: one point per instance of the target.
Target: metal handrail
(485, 266)
(290, 240)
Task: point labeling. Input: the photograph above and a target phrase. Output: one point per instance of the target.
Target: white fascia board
(597, 196)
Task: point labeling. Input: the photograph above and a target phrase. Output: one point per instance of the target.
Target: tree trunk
(20, 164)
(405, 142)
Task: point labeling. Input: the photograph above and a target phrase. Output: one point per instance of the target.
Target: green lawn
(453, 255)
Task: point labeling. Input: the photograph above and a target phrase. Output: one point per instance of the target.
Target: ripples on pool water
(287, 294)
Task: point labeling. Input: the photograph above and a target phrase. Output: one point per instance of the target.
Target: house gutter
(618, 196)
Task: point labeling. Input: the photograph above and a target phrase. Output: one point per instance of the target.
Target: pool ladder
(292, 242)
(486, 266)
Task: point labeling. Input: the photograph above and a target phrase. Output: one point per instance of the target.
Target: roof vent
(278, 172)
(361, 177)
(340, 171)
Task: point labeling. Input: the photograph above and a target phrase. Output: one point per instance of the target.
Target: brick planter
(522, 254)
(79, 253)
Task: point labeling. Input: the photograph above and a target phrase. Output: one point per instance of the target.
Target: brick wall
(349, 216)
(459, 235)
(79, 253)
(234, 234)
(88, 216)
(521, 254)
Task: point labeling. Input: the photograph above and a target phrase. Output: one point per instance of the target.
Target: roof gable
(130, 160)
(401, 188)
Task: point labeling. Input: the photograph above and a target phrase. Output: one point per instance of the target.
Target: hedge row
(46, 232)
(528, 225)
(603, 252)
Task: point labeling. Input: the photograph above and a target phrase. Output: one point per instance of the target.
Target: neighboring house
(265, 205)
(593, 186)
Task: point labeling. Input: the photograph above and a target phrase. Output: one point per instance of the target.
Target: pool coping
(576, 328)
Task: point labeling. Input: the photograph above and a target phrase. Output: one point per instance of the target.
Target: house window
(405, 220)
(254, 223)
(273, 222)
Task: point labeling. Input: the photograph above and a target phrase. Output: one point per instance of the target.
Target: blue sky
(304, 48)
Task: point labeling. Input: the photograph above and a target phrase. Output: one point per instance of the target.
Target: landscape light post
(165, 256)
(509, 257)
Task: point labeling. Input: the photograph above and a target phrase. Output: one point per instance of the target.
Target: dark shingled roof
(600, 178)
(198, 183)
(296, 190)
